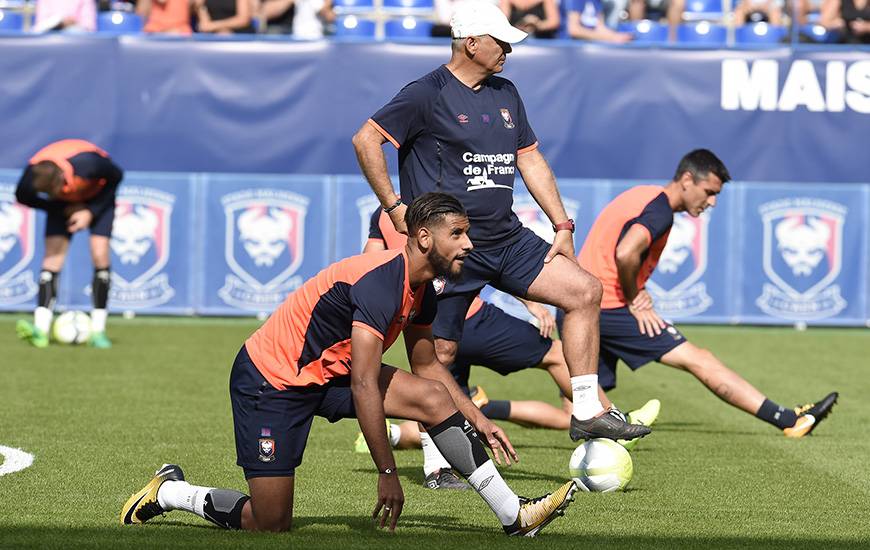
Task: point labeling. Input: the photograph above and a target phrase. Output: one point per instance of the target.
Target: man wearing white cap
(462, 131)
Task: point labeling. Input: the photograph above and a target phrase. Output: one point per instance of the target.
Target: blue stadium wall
(205, 226)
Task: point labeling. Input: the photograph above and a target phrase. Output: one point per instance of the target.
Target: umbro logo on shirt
(462, 119)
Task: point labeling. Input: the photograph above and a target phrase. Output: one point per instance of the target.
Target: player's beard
(442, 266)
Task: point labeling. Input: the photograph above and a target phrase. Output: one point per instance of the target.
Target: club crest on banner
(17, 243)
(802, 258)
(141, 248)
(265, 238)
(675, 285)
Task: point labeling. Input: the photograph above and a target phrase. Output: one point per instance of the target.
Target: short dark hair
(700, 163)
(430, 209)
(47, 176)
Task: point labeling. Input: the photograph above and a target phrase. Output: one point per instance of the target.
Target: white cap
(476, 18)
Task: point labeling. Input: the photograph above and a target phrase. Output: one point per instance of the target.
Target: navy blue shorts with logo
(511, 269)
(621, 339)
(55, 225)
(500, 342)
(271, 425)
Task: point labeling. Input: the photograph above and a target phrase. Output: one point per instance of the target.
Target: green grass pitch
(100, 422)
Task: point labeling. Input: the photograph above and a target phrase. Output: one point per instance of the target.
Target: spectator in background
(755, 11)
(654, 9)
(586, 22)
(277, 15)
(311, 17)
(165, 16)
(850, 17)
(224, 16)
(539, 18)
(65, 15)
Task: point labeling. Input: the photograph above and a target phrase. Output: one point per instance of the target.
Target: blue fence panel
(152, 240)
(355, 203)
(263, 237)
(21, 247)
(804, 254)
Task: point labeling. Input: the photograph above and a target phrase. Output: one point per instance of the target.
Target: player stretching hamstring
(622, 250)
(320, 354)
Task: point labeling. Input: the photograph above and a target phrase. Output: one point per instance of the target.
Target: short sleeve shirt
(646, 206)
(307, 340)
(464, 142)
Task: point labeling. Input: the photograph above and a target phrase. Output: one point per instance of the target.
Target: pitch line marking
(15, 460)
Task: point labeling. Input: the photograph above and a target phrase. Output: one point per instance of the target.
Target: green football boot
(644, 416)
(99, 340)
(29, 333)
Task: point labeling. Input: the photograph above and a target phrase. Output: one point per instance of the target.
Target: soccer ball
(72, 327)
(601, 466)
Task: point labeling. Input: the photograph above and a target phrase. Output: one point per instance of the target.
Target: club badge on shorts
(267, 449)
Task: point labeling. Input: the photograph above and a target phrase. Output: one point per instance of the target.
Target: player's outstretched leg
(734, 390)
(168, 491)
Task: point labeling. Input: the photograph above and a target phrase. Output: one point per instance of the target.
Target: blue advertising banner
(263, 236)
(355, 203)
(774, 114)
(21, 246)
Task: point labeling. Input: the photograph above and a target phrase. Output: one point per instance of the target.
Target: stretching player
(320, 354)
(502, 343)
(74, 182)
(622, 250)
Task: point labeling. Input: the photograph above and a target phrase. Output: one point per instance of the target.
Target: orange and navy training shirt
(647, 206)
(382, 230)
(307, 340)
(89, 175)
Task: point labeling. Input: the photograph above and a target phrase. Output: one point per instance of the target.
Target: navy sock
(777, 415)
(47, 288)
(497, 409)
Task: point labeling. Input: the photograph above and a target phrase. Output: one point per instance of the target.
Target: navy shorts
(511, 269)
(499, 342)
(55, 224)
(271, 426)
(621, 339)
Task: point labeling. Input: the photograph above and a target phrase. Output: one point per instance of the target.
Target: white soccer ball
(601, 466)
(72, 327)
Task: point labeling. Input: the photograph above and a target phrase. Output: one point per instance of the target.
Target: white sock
(395, 434)
(498, 496)
(42, 317)
(585, 393)
(181, 495)
(98, 320)
(432, 458)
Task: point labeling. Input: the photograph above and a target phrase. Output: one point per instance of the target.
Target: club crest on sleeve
(676, 285)
(267, 449)
(438, 283)
(508, 120)
(17, 243)
(802, 258)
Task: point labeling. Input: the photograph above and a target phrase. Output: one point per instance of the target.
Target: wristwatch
(569, 225)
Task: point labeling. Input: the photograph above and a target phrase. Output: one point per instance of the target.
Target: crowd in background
(595, 20)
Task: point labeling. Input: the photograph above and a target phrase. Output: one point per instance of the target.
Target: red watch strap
(569, 225)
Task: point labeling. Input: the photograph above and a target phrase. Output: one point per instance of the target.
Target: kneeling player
(74, 182)
(622, 249)
(320, 354)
